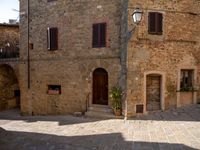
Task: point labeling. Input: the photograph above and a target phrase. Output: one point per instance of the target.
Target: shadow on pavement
(10, 140)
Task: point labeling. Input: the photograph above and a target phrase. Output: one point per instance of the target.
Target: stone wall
(8, 69)
(73, 64)
(9, 33)
(177, 48)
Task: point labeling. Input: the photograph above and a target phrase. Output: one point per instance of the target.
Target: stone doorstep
(100, 109)
(101, 112)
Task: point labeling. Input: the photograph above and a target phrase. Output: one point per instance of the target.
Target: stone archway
(9, 88)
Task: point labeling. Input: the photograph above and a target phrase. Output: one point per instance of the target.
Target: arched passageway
(9, 88)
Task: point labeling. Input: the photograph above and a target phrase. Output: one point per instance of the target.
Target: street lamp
(137, 17)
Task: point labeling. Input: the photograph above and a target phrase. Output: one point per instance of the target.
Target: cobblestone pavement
(171, 130)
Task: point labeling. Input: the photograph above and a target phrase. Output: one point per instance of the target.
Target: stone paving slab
(171, 130)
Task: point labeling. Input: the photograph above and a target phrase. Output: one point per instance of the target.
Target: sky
(6, 11)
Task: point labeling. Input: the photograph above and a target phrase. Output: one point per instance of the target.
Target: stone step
(101, 115)
(100, 109)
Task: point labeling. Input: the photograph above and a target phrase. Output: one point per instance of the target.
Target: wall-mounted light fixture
(137, 17)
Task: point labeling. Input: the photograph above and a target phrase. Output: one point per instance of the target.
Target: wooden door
(153, 92)
(100, 87)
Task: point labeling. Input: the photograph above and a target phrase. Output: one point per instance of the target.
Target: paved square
(171, 130)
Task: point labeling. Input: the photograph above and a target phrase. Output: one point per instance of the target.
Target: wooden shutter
(95, 35)
(152, 21)
(103, 35)
(99, 35)
(159, 23)
(155, 23)
(52, 38)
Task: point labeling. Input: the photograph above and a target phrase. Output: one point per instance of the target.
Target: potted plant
(116, 96)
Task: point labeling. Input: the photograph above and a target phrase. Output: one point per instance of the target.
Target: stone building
(9, 52)
(163, 56)
(74, 49)
(73, 52)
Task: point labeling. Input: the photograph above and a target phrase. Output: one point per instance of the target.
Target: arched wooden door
(100, 87)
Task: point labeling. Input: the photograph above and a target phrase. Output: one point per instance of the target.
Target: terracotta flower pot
(117, 112)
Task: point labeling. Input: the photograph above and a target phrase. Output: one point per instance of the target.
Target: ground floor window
(187, 79)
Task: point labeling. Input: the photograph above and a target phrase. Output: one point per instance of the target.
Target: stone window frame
(194, 68)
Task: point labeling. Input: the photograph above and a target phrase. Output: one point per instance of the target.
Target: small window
(155, 23)
(52, 38)
(99, 35)
(139, 108)
(54, 89)
(187, 79)
(17, 93)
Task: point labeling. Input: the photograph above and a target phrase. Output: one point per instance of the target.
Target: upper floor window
(155, 23)
(99, 35)
(186, 79)
(52, 38)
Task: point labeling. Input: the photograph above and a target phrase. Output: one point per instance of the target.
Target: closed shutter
(155, 23)
(103, 34)
(152, 23)
(52, 38)
(99, 35)
(159, 23)
(95, 35)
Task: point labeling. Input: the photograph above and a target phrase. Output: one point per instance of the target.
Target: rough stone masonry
(127, 62)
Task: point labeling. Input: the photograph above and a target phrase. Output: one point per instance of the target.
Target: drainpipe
(28, 53)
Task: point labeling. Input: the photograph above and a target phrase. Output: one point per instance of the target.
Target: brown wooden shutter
(99, 35)
(103, 35)
(155, 23)
(52, 38)
(152, 20)
(95, 35)
(159, 23)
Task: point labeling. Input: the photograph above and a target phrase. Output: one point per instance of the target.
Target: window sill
(53, 92)
(187, 91)
(152, 33)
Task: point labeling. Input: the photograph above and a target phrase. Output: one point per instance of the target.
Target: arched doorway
(153, 92)
(9, 88)
(100, 87)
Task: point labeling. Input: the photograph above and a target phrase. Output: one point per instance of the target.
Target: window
(54, 89)
(187, 79)
(99, 35)
(155, 23)
(17, 93)
(52, 38)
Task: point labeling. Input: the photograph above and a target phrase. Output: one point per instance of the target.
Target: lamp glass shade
(137, 15)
